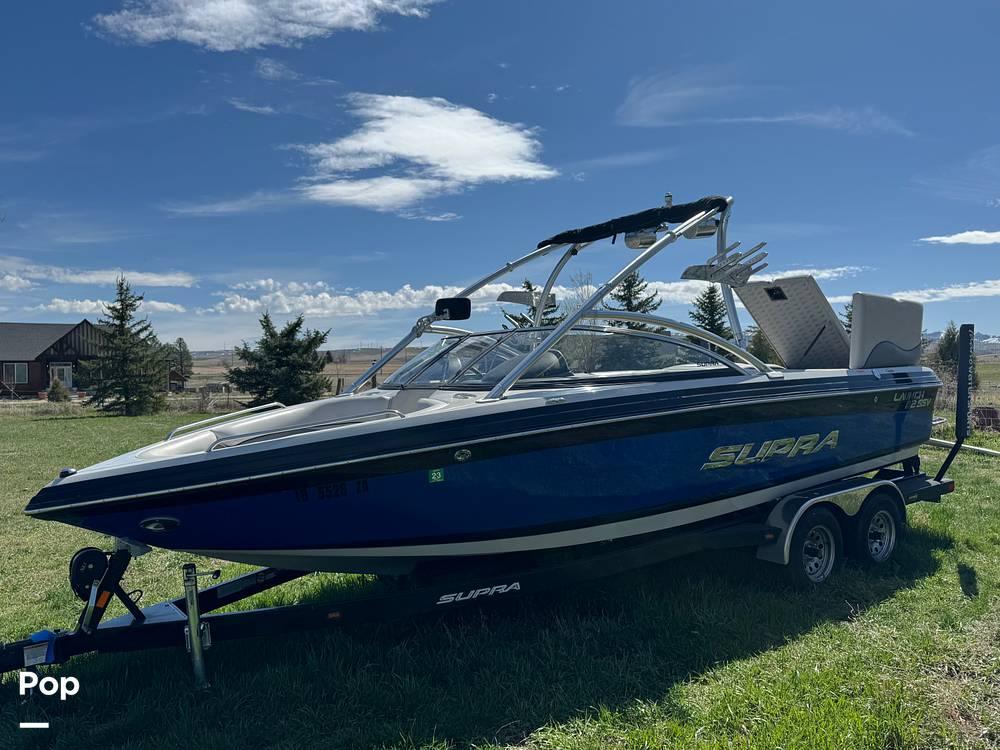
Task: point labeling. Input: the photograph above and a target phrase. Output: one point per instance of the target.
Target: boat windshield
(584, 354)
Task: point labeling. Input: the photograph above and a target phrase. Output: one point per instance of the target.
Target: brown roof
(23, 342)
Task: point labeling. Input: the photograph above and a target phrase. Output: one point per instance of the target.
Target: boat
(608, 426)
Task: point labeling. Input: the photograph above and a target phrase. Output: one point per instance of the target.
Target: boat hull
(562, 486)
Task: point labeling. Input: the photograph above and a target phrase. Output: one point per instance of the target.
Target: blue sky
(348, 158)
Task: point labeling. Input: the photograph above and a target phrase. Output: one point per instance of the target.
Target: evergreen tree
(180, 358)
(57, 391)
(283, 365)
(623, 352)
(847, 317)
(550, 316)
(761, 348)
(710, 313)
(630, 296)
(130, 371)
(947, 354)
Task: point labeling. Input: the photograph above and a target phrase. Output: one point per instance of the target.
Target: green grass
(989, 373)
(711, 651)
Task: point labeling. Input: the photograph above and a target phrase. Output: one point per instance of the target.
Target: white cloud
(856, 121)
(74, 306)
(434, 146)
(663, 98)
(424, 216)
(682, 98)
(378, 193)
(820, 274)
(270, 285)
(625, 159)
(406, 150)
(274, 70)
(284, 299)
(104, 277)
(987, 288)
(259, 201)
(243, 106)
(97, 307)
(157, 306)
(226, 25)
(316, 298)
(972, 237)
(14, 283)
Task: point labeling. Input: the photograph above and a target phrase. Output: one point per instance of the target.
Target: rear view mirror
(453, 308)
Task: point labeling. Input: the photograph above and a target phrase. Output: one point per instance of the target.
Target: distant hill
(986, 343)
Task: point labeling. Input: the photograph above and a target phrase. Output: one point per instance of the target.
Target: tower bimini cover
(647, 219)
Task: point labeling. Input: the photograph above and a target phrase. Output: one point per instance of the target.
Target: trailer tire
(816, 548)
(877, 530)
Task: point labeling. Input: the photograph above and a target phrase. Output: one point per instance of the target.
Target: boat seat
(885, 332)
(549, 365)
(796, 318)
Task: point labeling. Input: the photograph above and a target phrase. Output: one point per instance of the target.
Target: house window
(15, 373)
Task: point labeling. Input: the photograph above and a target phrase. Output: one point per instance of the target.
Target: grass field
(711, 651)
(989, 372)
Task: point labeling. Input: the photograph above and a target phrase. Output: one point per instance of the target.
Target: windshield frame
(502, 334)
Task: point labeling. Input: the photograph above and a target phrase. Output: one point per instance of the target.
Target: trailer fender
(845, 497)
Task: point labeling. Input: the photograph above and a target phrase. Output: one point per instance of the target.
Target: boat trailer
(784, 536)
(191, 621)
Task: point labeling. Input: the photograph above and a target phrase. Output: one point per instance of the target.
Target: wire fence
(985, 405)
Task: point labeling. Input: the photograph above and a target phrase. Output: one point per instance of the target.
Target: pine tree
(130, 371)
(58, 392)
(761, 348)
(630, 296)
(550, 316)
(947, 354)
(180, 358)
(710, 313)
(847, 317)
(283, 365)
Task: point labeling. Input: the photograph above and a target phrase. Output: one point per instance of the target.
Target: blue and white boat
(608, 426)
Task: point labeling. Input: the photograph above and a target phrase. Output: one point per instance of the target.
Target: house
(32, 354)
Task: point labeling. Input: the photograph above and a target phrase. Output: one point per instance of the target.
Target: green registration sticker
(435, 475)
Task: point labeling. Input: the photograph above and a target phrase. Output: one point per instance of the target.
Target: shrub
(58, 392)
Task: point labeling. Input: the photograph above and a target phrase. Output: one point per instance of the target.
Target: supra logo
(464, 596)
(789, 447)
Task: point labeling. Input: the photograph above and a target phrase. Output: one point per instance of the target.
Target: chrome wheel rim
(881, 536)
(818, 554)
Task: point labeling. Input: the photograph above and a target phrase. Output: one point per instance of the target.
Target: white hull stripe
(573, 537)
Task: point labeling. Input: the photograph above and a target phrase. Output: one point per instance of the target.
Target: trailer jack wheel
(86, 567)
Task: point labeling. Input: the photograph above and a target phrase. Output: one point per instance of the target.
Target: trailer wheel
(877, 530)
(816, 548)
